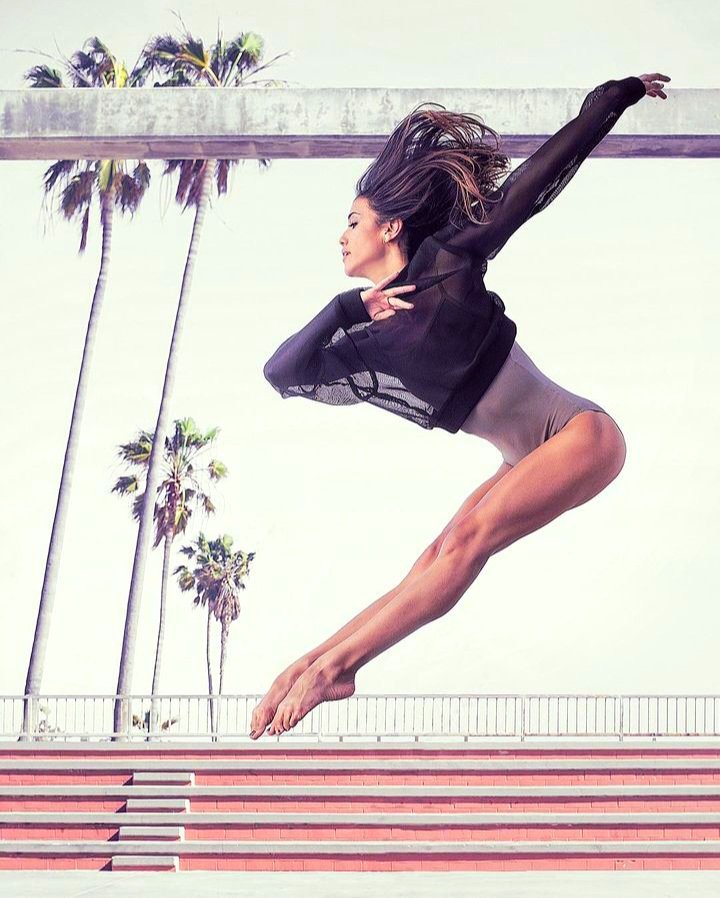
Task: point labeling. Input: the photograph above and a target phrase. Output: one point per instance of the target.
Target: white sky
(613, 289)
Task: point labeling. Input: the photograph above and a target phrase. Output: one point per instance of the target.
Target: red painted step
(469, 804)
(371, 802)
(499, 859)
(377, 777)
(442, 832)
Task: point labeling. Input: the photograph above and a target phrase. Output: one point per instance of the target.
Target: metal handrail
(381, 716)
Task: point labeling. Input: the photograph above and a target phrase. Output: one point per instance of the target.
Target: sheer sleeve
(534, 184)
(321, 355)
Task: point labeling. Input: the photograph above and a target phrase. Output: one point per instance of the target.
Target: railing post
(524, 723)
(33, 717)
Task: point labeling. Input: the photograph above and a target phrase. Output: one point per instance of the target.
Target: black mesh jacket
(432, 363)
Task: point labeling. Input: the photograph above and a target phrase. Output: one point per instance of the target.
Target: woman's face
(362, 241)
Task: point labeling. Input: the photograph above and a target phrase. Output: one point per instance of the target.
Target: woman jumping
(448, 359)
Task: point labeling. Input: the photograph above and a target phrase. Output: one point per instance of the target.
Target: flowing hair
(432, 170)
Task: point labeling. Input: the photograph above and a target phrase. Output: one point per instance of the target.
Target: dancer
(450, 359)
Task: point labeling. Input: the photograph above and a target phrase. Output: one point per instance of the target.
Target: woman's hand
(383, 303)
(653, 87)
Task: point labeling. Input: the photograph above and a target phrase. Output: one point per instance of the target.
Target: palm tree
(79, 182)
(179, 491)
(186, 62)
(217, 579)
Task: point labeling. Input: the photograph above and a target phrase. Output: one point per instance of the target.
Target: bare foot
(317, 684)
(266, 707)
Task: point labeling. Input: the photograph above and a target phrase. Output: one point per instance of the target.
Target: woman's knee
(424, 561)
(605, 448)
(611, 446)
(620, 446)
(464, 534)
(470, 538)
(466, 508)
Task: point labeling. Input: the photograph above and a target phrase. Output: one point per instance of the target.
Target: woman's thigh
(565, 471)
(552, 448)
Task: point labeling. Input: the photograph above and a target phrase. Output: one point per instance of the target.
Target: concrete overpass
(323, 123)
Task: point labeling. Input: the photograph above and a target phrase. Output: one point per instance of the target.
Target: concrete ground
(410, 884)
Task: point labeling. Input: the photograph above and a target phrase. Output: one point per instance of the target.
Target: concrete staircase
(290, 805)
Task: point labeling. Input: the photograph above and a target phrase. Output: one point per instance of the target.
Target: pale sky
(614, 292)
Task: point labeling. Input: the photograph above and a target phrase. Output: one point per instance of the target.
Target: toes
(257, 722)
(280, 721)
(276, 722)
(257, 715)
(285, 719)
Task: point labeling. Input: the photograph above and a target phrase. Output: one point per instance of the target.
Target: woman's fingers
(653, 84)
(391, 298)
(390, 294)
(397, 304)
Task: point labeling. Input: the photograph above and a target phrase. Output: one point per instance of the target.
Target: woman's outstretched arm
(534, 184)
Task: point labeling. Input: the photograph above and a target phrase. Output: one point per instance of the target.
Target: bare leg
(266, 708)
(564, 472)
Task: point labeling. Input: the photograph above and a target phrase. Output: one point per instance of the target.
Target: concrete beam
(305, 123)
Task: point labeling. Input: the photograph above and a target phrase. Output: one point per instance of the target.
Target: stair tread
(167, 767)
(147, 792)
(395, 818)
(355, 847)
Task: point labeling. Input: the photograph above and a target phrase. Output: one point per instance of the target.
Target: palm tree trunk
(223, 649)
(127, 656)
(154, 703)
(52, 564)
(209, 670)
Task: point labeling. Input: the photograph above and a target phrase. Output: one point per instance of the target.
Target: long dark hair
(433, 169)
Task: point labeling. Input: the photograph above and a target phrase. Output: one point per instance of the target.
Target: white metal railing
(90, 717)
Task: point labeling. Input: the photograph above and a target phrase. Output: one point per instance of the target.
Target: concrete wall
(199, 122)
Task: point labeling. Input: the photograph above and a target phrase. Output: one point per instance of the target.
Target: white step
(164, 777)
(139, 805)
(145, 862)
(171, 833)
